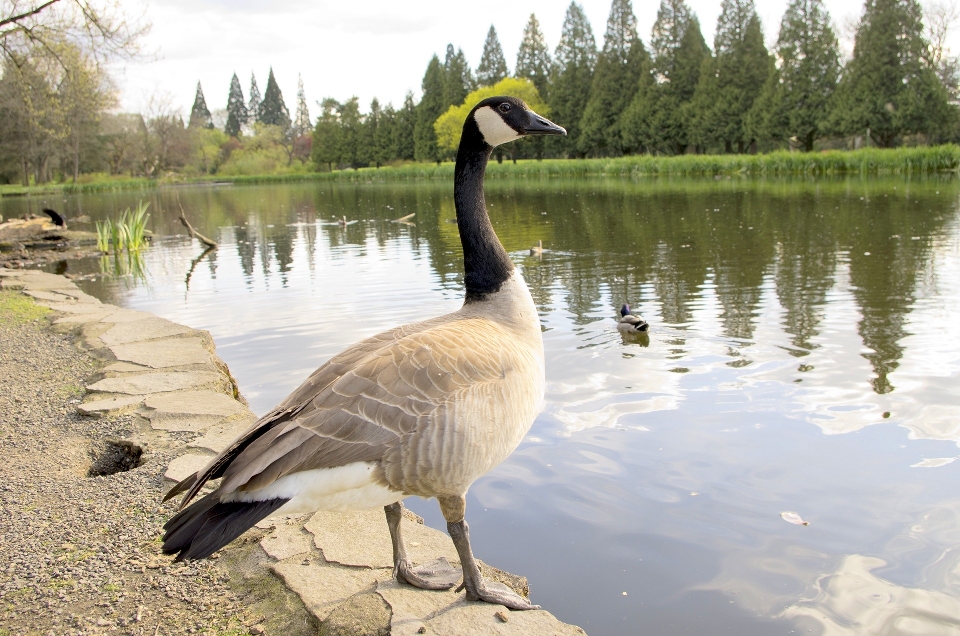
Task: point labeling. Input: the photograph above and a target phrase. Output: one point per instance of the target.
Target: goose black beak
(537, 125)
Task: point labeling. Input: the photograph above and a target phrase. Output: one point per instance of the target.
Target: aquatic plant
(128, 232)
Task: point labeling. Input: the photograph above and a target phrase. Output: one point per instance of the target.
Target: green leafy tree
(253, 108)
(493, 66)
(325, 150)
(200, 114)
(620, 66)
(807, 74)
(430, 107)
(404, 130)
(888, 89)
(574, 60)
(384, 147)
(236, 108)
(458, 79)
(533, 57)
(273, 111)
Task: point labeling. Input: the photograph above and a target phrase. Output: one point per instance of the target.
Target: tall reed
(128, 232)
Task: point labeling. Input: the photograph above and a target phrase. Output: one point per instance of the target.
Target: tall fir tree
(493, 66)
(301, 123)
(383, 141)
(888, 88)
(458, 79)
(658, 117)
(253, 108)
(574, 60)
(200, 114)
(808, 70)
(326, 134)
(742, 67)
(273, 111)
(430, 107)
(404, 129)
(620, 66)
(236, 108)
(533, 58)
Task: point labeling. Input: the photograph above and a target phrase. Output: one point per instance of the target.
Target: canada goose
(537, 249)
(423, 409)
(630, 323)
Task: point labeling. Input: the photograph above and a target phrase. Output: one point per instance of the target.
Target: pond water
(802, 358)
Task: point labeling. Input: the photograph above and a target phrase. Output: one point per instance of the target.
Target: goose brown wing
(359, 405)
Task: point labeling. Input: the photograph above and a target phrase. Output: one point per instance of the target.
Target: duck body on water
(629, 323)
(423, 409)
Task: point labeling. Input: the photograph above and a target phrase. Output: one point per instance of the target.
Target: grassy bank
(867, 161)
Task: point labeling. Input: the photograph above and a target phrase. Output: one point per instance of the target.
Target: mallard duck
(630, 323)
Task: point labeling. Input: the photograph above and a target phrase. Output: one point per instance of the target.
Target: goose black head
(503, 119)
(625, 310)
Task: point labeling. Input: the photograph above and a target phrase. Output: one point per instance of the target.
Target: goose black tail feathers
(207, 525)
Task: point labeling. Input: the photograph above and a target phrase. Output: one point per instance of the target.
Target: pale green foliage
(449, 126)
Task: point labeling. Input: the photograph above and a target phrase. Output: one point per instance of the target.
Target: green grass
(867, 161)
(15, 308)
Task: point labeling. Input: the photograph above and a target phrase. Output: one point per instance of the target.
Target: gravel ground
(80, 554)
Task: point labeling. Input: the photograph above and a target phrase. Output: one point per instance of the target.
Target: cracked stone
(155, 382)
(172, 352)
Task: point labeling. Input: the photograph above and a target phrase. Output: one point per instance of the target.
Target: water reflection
(802, 356)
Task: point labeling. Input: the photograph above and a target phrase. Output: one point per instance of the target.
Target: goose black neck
(485, 261)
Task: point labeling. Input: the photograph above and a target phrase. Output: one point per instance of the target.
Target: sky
(375, 48)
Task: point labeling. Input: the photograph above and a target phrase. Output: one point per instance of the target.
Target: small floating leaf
(792, 517)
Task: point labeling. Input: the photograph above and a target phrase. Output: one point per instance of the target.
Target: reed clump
(129, 232)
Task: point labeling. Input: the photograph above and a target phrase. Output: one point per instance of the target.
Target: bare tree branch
(26, 14)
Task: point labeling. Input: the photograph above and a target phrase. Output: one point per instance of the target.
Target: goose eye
(504, 108)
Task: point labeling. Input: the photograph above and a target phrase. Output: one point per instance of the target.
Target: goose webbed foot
(436, 575)
(478, 589)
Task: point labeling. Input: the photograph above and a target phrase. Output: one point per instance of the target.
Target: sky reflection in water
(802, 357)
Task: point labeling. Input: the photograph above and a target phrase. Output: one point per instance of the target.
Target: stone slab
(80, 318)
(324, 587)
(185, 465)
(470, 619)
(362, 539)
(221, 435)
(49, 296)
(410, 607)
(288, 540)
(140, 330)
(110, 406)
(158, 354)
(127, 315)
(160, 382)
(196, 403)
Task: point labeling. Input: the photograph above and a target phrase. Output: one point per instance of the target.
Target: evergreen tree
(404, 129)
(200, 114)
(301, 125)
(350, 135)
(430, 107)
(809, 67)
(493, 66)
(742, 67)
(657, 118)
(575, 58)
(458, 80)
(620, 66)
(253, 108)
(384, 147)
(887, 88)
(533, 58)
(236, 108)
(273, 111)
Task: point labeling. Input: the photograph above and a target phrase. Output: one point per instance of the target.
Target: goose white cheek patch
(494, 130)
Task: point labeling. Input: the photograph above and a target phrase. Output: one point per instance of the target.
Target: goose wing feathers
(360, 404)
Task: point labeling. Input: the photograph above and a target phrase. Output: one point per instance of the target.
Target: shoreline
(865, 161)
(331, 571)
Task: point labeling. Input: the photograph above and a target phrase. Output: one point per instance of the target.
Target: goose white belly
(350, 487)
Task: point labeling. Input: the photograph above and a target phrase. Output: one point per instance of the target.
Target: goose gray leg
(436, 575)
(453, 509)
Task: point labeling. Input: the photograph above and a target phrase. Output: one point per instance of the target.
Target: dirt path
(80, 554)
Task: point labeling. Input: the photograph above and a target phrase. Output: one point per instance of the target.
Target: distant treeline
(672, 95)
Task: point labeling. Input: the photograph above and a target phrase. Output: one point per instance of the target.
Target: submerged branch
(197, 235)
